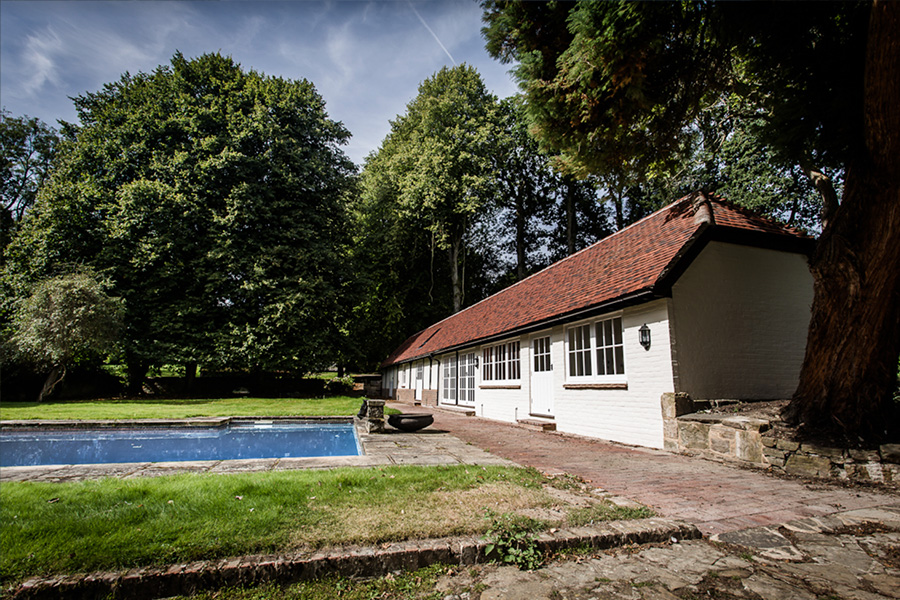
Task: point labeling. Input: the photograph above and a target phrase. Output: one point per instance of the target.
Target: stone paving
(428, 447)
(715, 497)
(853, 555)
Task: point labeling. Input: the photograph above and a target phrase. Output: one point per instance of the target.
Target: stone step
(537, 424)
(463, 410)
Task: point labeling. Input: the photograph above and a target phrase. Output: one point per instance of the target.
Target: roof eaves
(631, 299)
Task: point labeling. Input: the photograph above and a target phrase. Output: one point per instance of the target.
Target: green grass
(181, 409)
(412, 584)
(54, 528)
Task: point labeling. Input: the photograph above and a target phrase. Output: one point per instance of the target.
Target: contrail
(433, 34)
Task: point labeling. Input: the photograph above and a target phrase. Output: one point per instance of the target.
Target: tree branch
(825, 187)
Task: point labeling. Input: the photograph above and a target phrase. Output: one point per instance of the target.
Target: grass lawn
(179, 409)
(64, 528)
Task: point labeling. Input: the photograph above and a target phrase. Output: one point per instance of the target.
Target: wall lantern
(644, 332)
(476, 362)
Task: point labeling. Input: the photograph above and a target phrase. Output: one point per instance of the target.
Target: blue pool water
(162, 444)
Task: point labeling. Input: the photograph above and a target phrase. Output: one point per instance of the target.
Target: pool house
(700, 297)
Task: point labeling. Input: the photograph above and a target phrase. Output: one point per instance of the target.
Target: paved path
(714, 496)
(851, 555)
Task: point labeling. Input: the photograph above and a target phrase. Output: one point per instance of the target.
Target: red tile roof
(632, 262)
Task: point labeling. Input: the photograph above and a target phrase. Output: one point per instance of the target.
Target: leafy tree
(608, 82)
(65, 317)
(27, 148)
(439, 154)
(524, 185)
(214, 200)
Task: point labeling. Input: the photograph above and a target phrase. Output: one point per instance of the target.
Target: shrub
(339, 386)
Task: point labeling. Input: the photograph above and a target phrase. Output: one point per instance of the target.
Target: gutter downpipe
(457, 377)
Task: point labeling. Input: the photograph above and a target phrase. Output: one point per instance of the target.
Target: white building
(700, 297)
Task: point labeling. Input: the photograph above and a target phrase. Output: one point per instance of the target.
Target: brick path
(715, 497)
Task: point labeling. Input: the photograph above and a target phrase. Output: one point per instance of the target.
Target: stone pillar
(673, 406)
(374, 416)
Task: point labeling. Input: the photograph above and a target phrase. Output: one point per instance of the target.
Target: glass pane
(607, 328)
(617, 330)
(610, 362)
(620, 361)
(600, 362)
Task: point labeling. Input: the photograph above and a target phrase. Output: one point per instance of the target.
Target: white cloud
(39, 58)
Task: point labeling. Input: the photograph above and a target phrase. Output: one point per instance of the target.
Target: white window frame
(448, 379)
(582, 364)
(502, 362)
(466, 378)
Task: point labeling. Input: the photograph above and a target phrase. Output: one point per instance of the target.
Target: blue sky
(366, 58)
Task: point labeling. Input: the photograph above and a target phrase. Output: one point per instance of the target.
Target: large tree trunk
(850, 368)
(571, 221)
(57, 373)
(136, 369)
(455, 280)
(190, 375)
(520, 237)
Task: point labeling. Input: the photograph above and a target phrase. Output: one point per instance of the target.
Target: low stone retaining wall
(881, 465)
(750, 441)
(194, 577)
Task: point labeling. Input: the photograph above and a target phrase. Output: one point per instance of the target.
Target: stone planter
(410, 422)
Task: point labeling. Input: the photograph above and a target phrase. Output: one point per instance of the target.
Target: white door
(541, 377)
(467, 379)
(420, 380)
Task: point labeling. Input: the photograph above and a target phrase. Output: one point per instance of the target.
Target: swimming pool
(236, 440)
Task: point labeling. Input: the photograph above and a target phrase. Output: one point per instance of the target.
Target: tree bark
(520, 237)
(137, 370)
(849, 372)
(190, 375)
(57, 373)
(453, 251)
(571, 221)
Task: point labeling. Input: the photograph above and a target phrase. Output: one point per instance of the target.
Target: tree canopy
(65, 317)
(27, 148)
(623, 83)
(214, 200)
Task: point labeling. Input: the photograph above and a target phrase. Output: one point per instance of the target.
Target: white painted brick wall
(740, 318)
(631, 416)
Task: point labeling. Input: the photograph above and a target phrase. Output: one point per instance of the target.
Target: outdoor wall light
(644, 336)
(476, 362)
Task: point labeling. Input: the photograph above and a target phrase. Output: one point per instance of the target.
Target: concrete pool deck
(427, 447)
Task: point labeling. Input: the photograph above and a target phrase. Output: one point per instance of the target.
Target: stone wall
(751, 441)
(406, 395)
(878, 465)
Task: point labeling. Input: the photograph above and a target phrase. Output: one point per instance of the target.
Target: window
(501, 362)
(448, 393)
(467, 378)
(541, 353)
(580, 351)
(595, 351)
(419, 370)
(610, 353)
